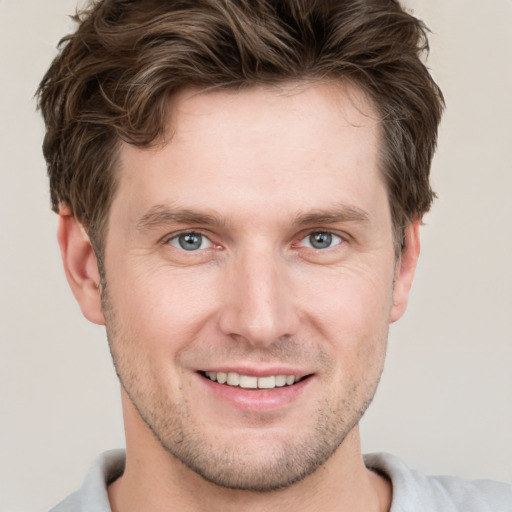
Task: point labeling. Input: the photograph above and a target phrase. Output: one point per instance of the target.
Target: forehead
(291, 111)
(277, 149)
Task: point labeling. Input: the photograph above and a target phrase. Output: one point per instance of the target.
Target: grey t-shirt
(412, 491)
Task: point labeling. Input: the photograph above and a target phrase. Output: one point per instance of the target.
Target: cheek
(153, 322)
(351, 313)
(159, 309)
(349, 301)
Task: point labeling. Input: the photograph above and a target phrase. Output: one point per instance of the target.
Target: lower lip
(257, 400)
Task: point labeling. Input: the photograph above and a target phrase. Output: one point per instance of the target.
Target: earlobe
(80, 265)
(404, 272)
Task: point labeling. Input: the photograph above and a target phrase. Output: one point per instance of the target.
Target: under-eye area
(251, 382)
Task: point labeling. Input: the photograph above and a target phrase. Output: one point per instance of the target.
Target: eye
(321, 240)
(190, 241)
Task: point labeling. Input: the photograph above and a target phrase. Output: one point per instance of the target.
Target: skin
(255, 173)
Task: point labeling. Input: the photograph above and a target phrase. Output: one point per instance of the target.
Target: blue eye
(321, 240)
(190, 241)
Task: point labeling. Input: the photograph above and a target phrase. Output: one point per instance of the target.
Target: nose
(258, 301)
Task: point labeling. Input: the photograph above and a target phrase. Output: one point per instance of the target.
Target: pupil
(321, 240)
(190, 241)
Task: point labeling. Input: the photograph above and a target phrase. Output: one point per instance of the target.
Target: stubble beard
(232, 467)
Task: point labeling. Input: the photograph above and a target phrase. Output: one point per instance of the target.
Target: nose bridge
(258, 301)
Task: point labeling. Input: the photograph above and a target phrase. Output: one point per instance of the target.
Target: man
(240, 187)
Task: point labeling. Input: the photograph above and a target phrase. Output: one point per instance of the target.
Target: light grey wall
(445, 402)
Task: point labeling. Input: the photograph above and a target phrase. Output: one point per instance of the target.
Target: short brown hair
(114, 76)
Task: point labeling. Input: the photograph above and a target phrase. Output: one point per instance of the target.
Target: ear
(404, 271)
(80, 265)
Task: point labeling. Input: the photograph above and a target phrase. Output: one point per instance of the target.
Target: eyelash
(177, 237)
(330, 238)
(329, 234)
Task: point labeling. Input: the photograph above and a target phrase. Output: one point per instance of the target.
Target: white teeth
(290, 379)
(267, 382)
(248, 382)
(280, 381)
(251, 382)
(233, 379)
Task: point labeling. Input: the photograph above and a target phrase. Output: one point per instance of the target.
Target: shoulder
(93, 494)
(421, 493)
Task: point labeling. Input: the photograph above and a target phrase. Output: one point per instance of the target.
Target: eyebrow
(342, 213)
(161, 215)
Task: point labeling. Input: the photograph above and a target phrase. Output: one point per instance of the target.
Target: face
(250, 279)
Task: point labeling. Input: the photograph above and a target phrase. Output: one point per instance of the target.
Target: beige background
(445, 403)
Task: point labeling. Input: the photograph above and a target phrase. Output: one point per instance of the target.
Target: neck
(155, 481)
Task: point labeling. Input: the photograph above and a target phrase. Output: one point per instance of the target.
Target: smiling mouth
(251, 382)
